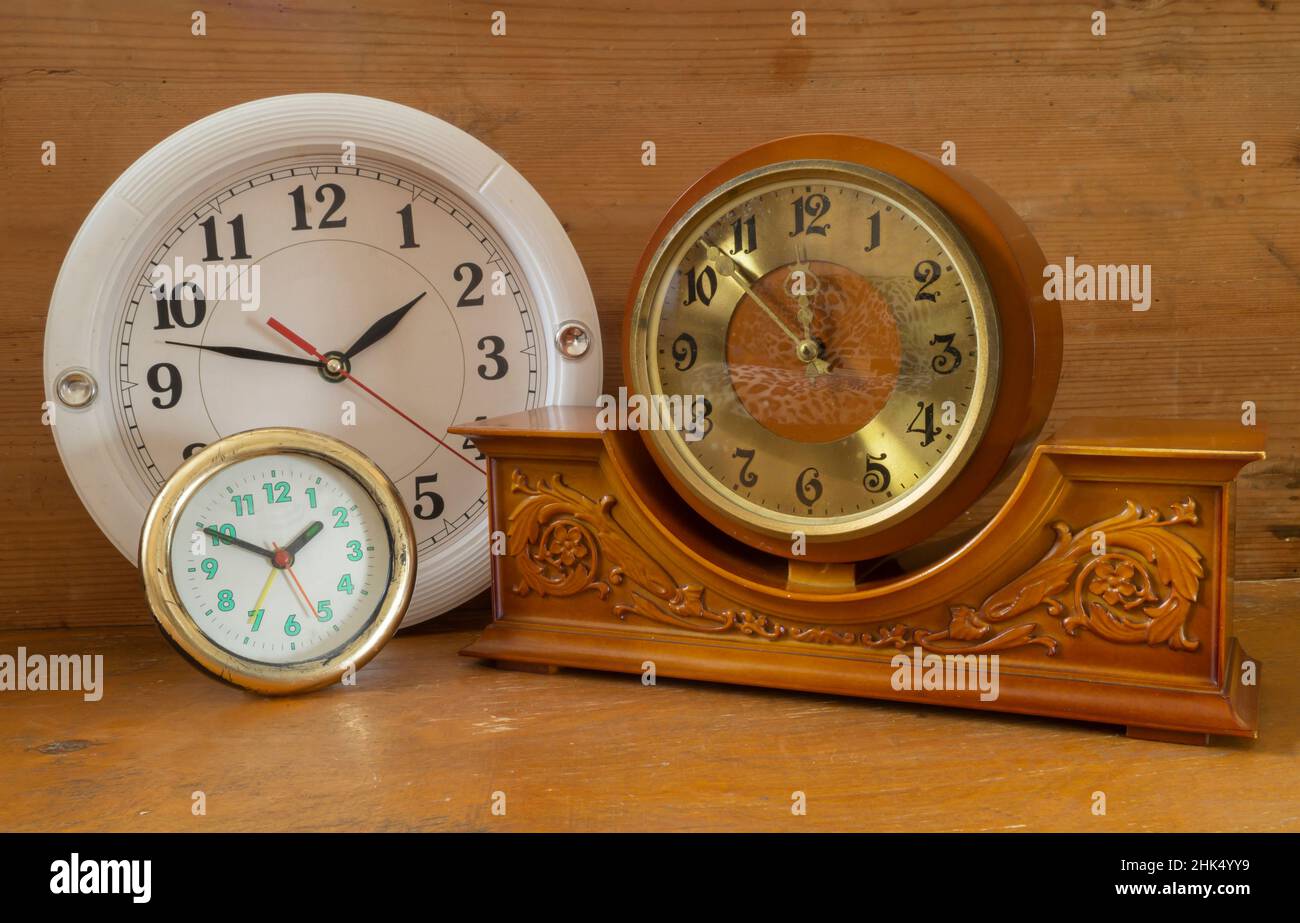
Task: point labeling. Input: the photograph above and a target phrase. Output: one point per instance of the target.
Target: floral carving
(1140, 589)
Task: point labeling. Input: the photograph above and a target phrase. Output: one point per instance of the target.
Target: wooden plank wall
(1122, 148)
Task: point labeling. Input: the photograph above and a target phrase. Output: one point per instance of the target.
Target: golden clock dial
(842, 336)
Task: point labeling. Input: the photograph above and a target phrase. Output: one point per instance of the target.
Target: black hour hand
(382, 327)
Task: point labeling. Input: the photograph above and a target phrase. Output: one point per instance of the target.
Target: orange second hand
(298, 584)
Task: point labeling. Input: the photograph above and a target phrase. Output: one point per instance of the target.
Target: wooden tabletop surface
(425, 739)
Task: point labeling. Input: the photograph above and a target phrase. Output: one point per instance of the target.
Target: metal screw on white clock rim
(573, 339)
(76, 388)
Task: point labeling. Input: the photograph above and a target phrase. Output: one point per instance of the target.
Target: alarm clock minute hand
(221, 537)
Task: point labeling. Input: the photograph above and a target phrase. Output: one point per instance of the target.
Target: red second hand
(314, 352)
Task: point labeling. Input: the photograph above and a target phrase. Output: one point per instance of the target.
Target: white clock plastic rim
(185, 164)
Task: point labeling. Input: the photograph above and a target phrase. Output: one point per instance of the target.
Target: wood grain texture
(425, 738)
(1117, 149)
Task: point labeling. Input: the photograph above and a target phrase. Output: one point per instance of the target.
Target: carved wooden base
(1099, 592)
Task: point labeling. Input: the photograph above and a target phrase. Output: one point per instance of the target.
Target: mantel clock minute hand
(806, 349)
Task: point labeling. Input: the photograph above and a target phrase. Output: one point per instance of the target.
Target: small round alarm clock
(278, 559)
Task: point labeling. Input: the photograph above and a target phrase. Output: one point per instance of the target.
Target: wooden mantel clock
(855, 344)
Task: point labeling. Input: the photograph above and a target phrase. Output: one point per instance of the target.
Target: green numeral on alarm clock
(291, 626)
(311, 497)
(209, 566)
(255, 615)
(345, 584)
(225, 529)
(243, 504)
(355, 553)
(277, 492)
(225, 600)
(323, 611)
(342, 521)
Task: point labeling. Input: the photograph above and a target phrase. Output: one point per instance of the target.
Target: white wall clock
(330, 262)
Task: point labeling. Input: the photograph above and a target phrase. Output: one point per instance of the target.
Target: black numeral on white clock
(171, 310)
(492, 346)
(164, 378)
(435, 502)
(212, 250)
(408, 228)
(336, 196)
(472, 275)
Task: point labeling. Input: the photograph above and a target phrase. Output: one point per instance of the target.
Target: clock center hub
(336, 367)
(832, 363)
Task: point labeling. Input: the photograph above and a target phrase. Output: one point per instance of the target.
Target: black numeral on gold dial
(685, 352)
(744, 235)
(746, 477)
(927, 272)
(807, 210)
(949, 360)
(808, 486)
(701, 286)
(876, 480)
(927, 429)
(874, 223)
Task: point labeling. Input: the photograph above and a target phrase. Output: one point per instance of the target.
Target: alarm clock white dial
(280, 559)
(333, 263)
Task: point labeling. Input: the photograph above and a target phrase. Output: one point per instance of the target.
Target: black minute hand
(220, 537)
(382, 327)
(243, 352)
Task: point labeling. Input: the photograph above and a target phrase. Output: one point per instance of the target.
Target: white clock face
(333, 263)
(329, 252)
(281, 558)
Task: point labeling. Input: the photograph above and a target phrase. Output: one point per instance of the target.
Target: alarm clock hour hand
(381, 328)
(243, 352)
(306, 536)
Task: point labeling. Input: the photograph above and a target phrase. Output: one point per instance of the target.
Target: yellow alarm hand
(266, 588)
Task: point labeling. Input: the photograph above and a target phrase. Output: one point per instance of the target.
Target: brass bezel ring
(648, 307)
(159, 532)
